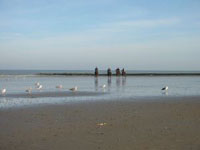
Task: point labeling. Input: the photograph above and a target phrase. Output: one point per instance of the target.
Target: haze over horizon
(83, 34)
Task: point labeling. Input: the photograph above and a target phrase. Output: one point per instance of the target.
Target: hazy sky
(83, 34)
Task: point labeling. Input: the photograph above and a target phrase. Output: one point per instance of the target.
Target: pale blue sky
(83, 34)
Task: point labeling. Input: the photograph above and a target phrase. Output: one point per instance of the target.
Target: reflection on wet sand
(123, 81)
(109, 81)
(164, 93)
(96, 84)
(120, 83)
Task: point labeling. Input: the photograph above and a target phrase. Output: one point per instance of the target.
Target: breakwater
(128, 74)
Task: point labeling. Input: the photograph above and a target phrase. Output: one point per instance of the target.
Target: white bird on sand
(3, 91)
(39, 87)
(59, 86)
(165, 88)
(29, 90)
(37, 83)
(74, 89)
(103, 86)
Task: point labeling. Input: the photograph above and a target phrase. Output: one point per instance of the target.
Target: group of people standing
(109, 72)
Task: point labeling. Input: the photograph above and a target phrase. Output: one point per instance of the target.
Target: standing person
(109, 73)
(96, 72)
(117, 72)
(123, 72)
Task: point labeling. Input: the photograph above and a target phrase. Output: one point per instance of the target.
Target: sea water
(119, 88)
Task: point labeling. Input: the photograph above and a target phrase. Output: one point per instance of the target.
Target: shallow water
(117, 88)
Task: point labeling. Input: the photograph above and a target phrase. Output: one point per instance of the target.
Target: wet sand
(143, 124)
(52, 94)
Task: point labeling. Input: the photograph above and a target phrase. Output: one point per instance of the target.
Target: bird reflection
(165, 93)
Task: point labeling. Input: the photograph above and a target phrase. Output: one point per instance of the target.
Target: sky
(83, 34)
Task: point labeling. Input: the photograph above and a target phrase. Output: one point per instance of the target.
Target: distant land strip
(128, 74)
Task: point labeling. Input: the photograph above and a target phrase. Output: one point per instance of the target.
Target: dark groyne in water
(128, 74)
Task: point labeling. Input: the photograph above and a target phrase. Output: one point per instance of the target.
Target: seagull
(103, 86)
(59, 86)
(39, 87)
(3, 91)
(29, 90)
(37, 83)
(165, 88)
(74, 89)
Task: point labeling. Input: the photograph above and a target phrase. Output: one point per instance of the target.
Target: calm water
(117, 87)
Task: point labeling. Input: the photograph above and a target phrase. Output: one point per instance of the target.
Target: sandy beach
(143, 124)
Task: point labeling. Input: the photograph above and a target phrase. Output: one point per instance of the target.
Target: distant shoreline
(101, 72)
(128, 74)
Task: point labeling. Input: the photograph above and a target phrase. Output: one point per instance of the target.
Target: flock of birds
(39, 86)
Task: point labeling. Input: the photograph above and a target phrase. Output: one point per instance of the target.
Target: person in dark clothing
(109, 73)
(96, 72)
(123, 72)
(117, 72)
